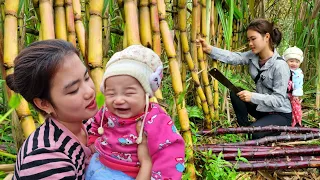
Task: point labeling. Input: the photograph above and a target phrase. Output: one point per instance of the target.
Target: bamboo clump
(177, 85)
(95, 42)
(46, 16)
(10, 52)
(79, 27)
(60, 20)
(70, 23)
(185, 49)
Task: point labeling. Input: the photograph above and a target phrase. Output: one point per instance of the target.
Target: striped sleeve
(46, 164)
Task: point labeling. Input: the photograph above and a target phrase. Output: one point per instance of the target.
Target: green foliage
(100, 98)
(216, 168)
(13, 103)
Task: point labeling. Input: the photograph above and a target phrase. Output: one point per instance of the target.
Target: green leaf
(105, 5)
(21, 3)
(195, 112)
(239, 152)
(100, 99)
(14, 100)
(243, 159)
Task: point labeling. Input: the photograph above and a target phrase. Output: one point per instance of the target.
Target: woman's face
(257, 42)
(72, 92)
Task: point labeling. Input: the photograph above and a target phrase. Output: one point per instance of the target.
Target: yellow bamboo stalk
(86, 19)
(215, 63)
(207, 88)
(195, 13)
(106, 22)
(9, 176)
(46, 16)
(195, 5)
(156, 43)
(204, 34)
(125, 37)
(95, 53)
(21, 30)
(145, 24)
(203, 19)
(132, 25)
(60, 20)
(185, 48)
(6, 167)
(70, 23)
(10, 52)
(203, 65)
(177, 86)
(80, 30)
(212, 20)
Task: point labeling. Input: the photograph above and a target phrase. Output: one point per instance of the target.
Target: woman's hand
(245, 95)
(144, 157)
(205, 46)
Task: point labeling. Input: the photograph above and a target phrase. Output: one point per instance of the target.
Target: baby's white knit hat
(293, 53)
(139, 62)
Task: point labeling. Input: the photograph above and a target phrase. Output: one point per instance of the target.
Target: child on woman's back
(131, 78)
(294, 57)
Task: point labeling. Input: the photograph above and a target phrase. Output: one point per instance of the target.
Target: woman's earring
(48, 114)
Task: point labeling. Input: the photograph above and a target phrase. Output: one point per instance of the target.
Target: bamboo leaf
(237, 13)
(21, 2)
(105, 5)
(230, 23)
(14, 101)
(100, 99)
(222, 18)
(316, 37)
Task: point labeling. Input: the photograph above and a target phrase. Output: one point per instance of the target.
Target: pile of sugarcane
(271, 152)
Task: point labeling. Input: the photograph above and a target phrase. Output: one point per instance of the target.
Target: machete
(223, 80)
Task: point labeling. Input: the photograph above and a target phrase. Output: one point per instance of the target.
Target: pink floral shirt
(118, 143)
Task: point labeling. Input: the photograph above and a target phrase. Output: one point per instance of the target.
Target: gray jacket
(271, 89)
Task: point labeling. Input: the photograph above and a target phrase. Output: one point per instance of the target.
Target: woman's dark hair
(35, 67)
(263, 26)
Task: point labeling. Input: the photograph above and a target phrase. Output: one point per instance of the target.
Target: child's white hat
(293, 53)
(140, 63)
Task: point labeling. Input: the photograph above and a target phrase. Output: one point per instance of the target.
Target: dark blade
(223, 80)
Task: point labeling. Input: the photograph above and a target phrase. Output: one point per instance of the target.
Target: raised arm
(225, 55)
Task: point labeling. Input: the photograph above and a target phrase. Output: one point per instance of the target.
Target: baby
(131, 78)
(294, 57)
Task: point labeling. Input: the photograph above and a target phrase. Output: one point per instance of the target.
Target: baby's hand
(93, 150)
(297, 99)
(144, 157)
(143, 151)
